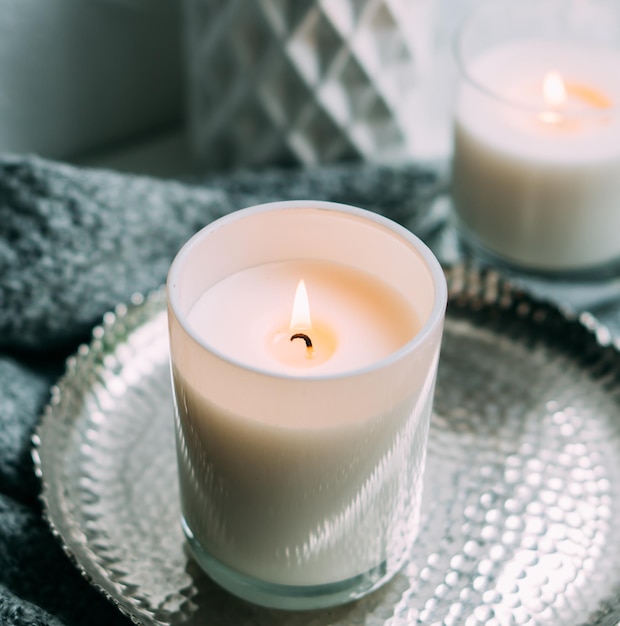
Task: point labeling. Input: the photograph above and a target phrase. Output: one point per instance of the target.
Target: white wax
(544, 195)
(297, 471)
(309, 503)
(293, 502)
(243, 316)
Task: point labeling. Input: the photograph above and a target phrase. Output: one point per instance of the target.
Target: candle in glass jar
(537, 154)
(302, 408)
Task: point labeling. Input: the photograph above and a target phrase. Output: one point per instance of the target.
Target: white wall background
(80, 75)
(434, 101)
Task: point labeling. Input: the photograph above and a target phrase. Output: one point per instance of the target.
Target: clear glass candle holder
(536, 168)
(301, 480)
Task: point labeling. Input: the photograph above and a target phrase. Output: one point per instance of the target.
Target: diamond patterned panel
(308, 81)
(314, 47)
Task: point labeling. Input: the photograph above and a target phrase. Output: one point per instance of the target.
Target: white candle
(297, 467)
(537, 169)
(355, 318)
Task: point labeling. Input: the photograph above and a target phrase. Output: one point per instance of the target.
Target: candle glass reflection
(301, 477)
(536, 169)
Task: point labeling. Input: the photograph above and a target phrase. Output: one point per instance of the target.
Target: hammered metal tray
(522, 484)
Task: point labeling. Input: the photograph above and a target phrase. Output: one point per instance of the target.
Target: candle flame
(300, 318)
(554, 90)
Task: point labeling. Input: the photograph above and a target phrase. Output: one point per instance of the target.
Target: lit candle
(304, 344)
(536, 171)
(356, 319)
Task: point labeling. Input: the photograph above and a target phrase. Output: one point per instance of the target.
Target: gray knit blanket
(74, 243)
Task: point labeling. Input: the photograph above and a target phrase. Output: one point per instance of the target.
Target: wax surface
(541, 194)
(357, 319)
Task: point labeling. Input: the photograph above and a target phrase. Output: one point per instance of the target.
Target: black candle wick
(304, 337)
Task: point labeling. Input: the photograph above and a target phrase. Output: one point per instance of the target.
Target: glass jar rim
(426, 257)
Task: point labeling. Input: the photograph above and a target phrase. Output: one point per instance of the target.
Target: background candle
(303, 477)
(535, 181)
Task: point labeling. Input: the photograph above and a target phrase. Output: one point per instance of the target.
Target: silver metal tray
(522, 485)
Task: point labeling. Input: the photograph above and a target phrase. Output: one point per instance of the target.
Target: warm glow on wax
(300, 318)
(559, 94)
(331, 321)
